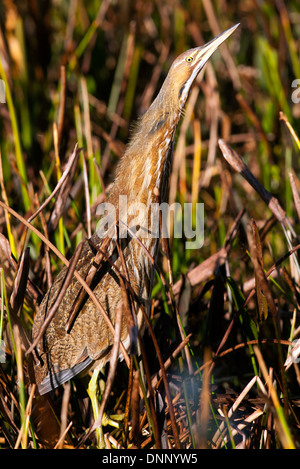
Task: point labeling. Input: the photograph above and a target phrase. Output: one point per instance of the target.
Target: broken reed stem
(240, 167)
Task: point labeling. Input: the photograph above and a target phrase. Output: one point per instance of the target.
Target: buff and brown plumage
(143, 172)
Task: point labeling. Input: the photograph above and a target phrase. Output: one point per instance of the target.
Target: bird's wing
(54, 379)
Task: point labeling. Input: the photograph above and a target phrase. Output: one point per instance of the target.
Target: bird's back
(63, 354)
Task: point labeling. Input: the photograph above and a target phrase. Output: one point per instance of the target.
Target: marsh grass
(212, 370)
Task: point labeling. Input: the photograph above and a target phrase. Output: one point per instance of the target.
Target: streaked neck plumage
(147, 160)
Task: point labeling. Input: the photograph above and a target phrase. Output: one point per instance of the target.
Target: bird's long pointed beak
(208, 49)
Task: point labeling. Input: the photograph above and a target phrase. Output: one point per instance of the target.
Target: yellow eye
(189, 59)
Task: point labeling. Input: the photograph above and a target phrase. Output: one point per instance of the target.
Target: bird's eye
(189, 59)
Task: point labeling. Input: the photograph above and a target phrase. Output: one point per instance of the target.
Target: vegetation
(82, 72)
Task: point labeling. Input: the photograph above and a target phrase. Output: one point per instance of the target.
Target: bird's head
(187, 66)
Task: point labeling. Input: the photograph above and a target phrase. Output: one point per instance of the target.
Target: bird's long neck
(145, 167)
(147, 160)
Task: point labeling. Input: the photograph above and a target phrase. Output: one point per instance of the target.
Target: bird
(77, 339)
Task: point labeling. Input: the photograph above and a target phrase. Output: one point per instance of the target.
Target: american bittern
(63, 352)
